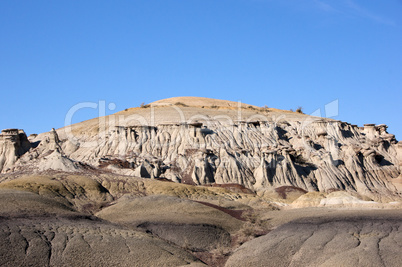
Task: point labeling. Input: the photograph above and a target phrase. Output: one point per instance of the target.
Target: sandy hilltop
(198, 181)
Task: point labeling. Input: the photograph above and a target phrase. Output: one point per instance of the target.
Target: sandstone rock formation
(202, 141)
(13, 144)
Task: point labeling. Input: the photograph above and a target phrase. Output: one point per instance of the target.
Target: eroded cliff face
(13, 144)
(259, 152)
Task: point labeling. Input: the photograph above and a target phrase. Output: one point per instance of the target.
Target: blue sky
(284, 54)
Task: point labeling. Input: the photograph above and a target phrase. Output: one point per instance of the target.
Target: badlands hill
(190, 181)
(203, 141)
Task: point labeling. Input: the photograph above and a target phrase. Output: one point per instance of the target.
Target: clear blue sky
(280, 53)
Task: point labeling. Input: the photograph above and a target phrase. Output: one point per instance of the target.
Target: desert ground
(201, 182)
(60, 219)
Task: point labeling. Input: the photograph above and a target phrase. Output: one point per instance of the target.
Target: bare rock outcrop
(341, 240)
(38, 231)
(47, 154)
(13, 144)
(257, 148)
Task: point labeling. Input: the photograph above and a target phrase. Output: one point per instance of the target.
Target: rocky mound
(344, 240)
(204, 141)
(38, 231)
(77, 192)
(151, 222)
(15, 203)
(138, 211)
(13, 144)
(159, 213)
(186, 223)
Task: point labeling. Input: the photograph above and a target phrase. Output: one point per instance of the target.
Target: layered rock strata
(262, 150)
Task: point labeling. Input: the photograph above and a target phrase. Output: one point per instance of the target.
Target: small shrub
(251, 217)
(214, 106)
(144, 106)
(126, 109)
(299, 110)
(264, 109)
(221, 250)
(249, 231)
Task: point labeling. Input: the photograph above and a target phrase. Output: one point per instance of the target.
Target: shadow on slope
(38, 231)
